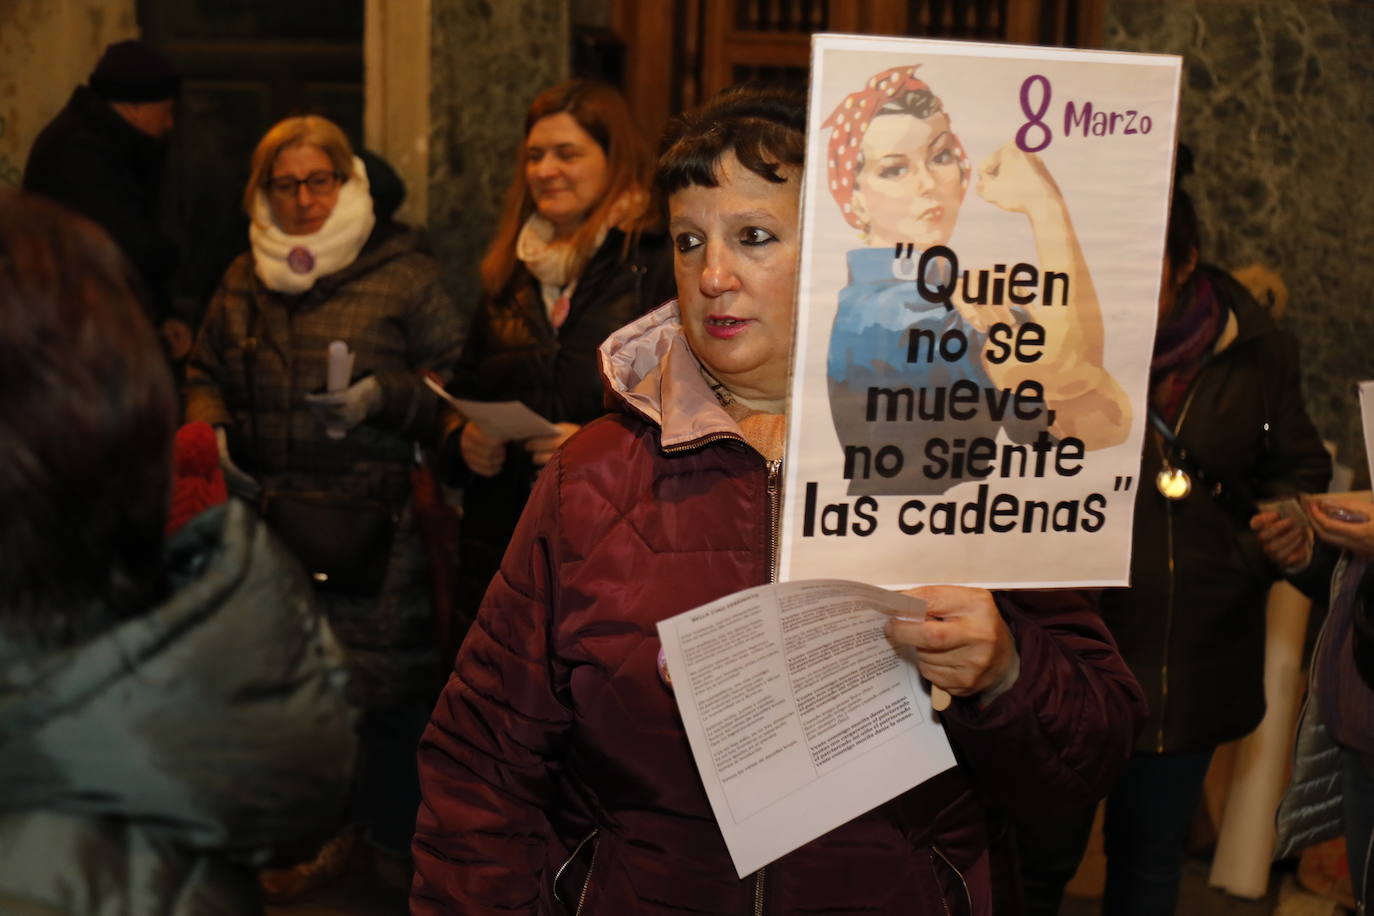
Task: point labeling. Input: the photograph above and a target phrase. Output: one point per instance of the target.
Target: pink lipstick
(723, 327)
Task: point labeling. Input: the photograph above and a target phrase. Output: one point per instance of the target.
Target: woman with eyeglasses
(329, 465)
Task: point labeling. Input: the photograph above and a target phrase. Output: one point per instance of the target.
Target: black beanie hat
(130, 71)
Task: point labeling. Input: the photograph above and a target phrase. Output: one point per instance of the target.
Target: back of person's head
(600, 110)
(386, 185)
(131, 71)
(764, 126)
(87, 414)
(301, 130)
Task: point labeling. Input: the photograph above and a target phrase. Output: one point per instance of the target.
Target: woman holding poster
(556, 771)
(899, 174)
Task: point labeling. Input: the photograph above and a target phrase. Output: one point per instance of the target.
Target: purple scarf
(1183, 343)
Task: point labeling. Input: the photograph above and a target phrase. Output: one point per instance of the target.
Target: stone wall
(489, 59)
(47, 48)
(1276, 109)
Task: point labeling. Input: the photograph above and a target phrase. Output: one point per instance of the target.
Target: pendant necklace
(1171, 482)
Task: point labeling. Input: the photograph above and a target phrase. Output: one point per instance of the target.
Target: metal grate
(978, 19)
(782, 15)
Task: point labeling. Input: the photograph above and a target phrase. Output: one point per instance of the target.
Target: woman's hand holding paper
(963, 645)
(483, 453)
(1345, 521)
(541, 448)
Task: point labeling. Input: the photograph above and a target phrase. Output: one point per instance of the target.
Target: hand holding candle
(343, 406)
(336, 379)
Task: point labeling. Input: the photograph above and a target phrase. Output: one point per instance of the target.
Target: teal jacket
(155, 767)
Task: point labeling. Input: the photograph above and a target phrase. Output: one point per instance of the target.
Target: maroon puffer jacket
(555, 722)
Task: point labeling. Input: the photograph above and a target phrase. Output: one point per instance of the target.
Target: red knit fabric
(197, 483)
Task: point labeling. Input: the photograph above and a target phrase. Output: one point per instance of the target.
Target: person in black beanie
(103, 156)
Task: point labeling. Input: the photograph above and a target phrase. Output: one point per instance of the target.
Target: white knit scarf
(548, 258)
(551, 259)
(292, 263)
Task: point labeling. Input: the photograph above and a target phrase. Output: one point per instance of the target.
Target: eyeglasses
(319, 183)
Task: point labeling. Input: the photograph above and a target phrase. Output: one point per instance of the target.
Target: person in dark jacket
(576, 256)
(103, 156)
(557, 737)
(172, 710)
(332, 468)
(1227, 426)
(1336, 732)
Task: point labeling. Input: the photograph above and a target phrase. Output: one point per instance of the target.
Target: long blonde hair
(599, 110)
(301, 130)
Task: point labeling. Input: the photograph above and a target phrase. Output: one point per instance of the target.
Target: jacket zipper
(698, 443)
(958, 874)
(774, 512)
(774, 515)
(1360, 907)
(1173, 580)
(558, 875)
(1168, 628)
(591, 868)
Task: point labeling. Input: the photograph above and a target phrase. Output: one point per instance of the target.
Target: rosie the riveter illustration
(899, 175)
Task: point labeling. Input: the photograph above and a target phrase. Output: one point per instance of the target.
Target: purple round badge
(301, 260)
(663, 670)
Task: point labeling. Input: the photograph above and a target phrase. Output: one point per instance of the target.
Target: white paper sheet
(1367, 418)
(511, 420)
(800, 714)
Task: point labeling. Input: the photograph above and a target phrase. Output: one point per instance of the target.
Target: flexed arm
(1087, 401)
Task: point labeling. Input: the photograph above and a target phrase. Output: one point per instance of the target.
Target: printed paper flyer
(981, 261)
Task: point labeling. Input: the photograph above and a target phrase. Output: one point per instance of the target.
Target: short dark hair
(87, 414)
(765, 127)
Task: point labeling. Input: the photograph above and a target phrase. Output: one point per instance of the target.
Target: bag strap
(1234, 497)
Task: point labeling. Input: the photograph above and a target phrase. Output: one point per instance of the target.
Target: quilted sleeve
(487, 758)
(1062, 733)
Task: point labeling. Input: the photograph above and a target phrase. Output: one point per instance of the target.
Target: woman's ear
(859, 207)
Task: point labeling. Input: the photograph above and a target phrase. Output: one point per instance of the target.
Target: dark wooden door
(245, 64)
(680, 52)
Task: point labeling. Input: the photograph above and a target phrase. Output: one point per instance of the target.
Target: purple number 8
(1036, 117)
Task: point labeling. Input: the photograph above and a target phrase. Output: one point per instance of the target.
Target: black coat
(514, 353)
(1191, 625)
(92, 160)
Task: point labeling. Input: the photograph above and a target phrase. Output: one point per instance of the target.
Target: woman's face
(297, 209)
(736, 267)
(909, 188)
(566, 171)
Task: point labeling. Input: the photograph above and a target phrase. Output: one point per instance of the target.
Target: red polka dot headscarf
(850, 120)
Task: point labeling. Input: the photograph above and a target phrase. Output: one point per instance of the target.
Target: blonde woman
(331, 467)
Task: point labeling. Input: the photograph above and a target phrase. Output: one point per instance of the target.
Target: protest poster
(983, 233)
